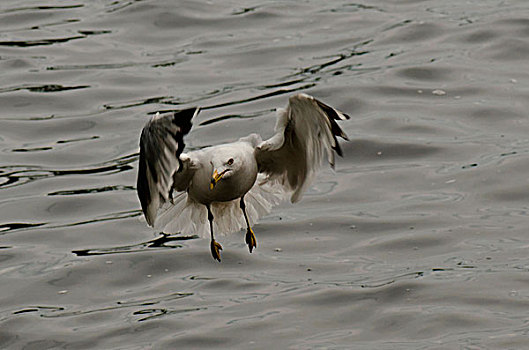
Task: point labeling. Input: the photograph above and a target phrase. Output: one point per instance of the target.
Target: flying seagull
(231, 185)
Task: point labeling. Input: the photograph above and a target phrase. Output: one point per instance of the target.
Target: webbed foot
(215, 250)
(250, 239)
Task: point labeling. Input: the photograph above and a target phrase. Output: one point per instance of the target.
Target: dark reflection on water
(39, 8)
(44, 88)
(59, 312)
(92, 190)
(41, 42)
(159, 242)
(109, 217)
(418, 239)
(233, 116)
(17, 226)
(259, 97)
(19, 175)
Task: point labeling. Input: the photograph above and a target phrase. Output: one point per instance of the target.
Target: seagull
(231, 185)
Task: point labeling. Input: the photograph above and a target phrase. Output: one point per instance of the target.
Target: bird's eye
(230, 161)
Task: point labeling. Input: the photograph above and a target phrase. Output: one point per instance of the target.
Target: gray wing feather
(305, 132)
(161, 144)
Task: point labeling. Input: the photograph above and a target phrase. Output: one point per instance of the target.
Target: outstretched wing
(161, 143)
(305, 131)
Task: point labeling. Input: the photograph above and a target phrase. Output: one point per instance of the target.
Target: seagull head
(223, 168)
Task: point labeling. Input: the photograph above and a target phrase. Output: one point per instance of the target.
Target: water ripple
(428, 205)
(158, 243)
(92, 190)
(18, 226)
(43, 88)
(60, 311)
(4, 228)
(13, 175)
(40, 42)
(41, 8)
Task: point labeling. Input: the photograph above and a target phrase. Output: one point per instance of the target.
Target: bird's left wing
(305, 131)
(161, 144)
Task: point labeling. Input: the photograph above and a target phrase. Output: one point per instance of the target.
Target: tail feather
(187, 216)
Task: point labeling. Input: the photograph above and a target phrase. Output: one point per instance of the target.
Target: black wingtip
(143, 188)
(183, 118)
(331, 112)
(338, 149)
(333, 115)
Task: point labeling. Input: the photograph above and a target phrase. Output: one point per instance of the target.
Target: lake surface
(418, 240)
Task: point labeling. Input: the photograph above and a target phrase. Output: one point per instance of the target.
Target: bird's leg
(250, 236)
(215, 246)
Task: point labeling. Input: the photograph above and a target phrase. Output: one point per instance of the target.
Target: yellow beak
(215, 178)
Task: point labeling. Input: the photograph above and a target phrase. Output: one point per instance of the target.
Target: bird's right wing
(161, 164)
(305, 132)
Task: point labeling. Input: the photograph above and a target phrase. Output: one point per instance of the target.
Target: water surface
(418, 240)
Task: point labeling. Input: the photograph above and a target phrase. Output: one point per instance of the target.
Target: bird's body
(232, 185)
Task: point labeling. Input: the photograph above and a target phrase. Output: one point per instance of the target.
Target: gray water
(418, 240)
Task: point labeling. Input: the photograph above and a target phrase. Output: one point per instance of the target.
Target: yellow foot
(215, 250)
(250, 239)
